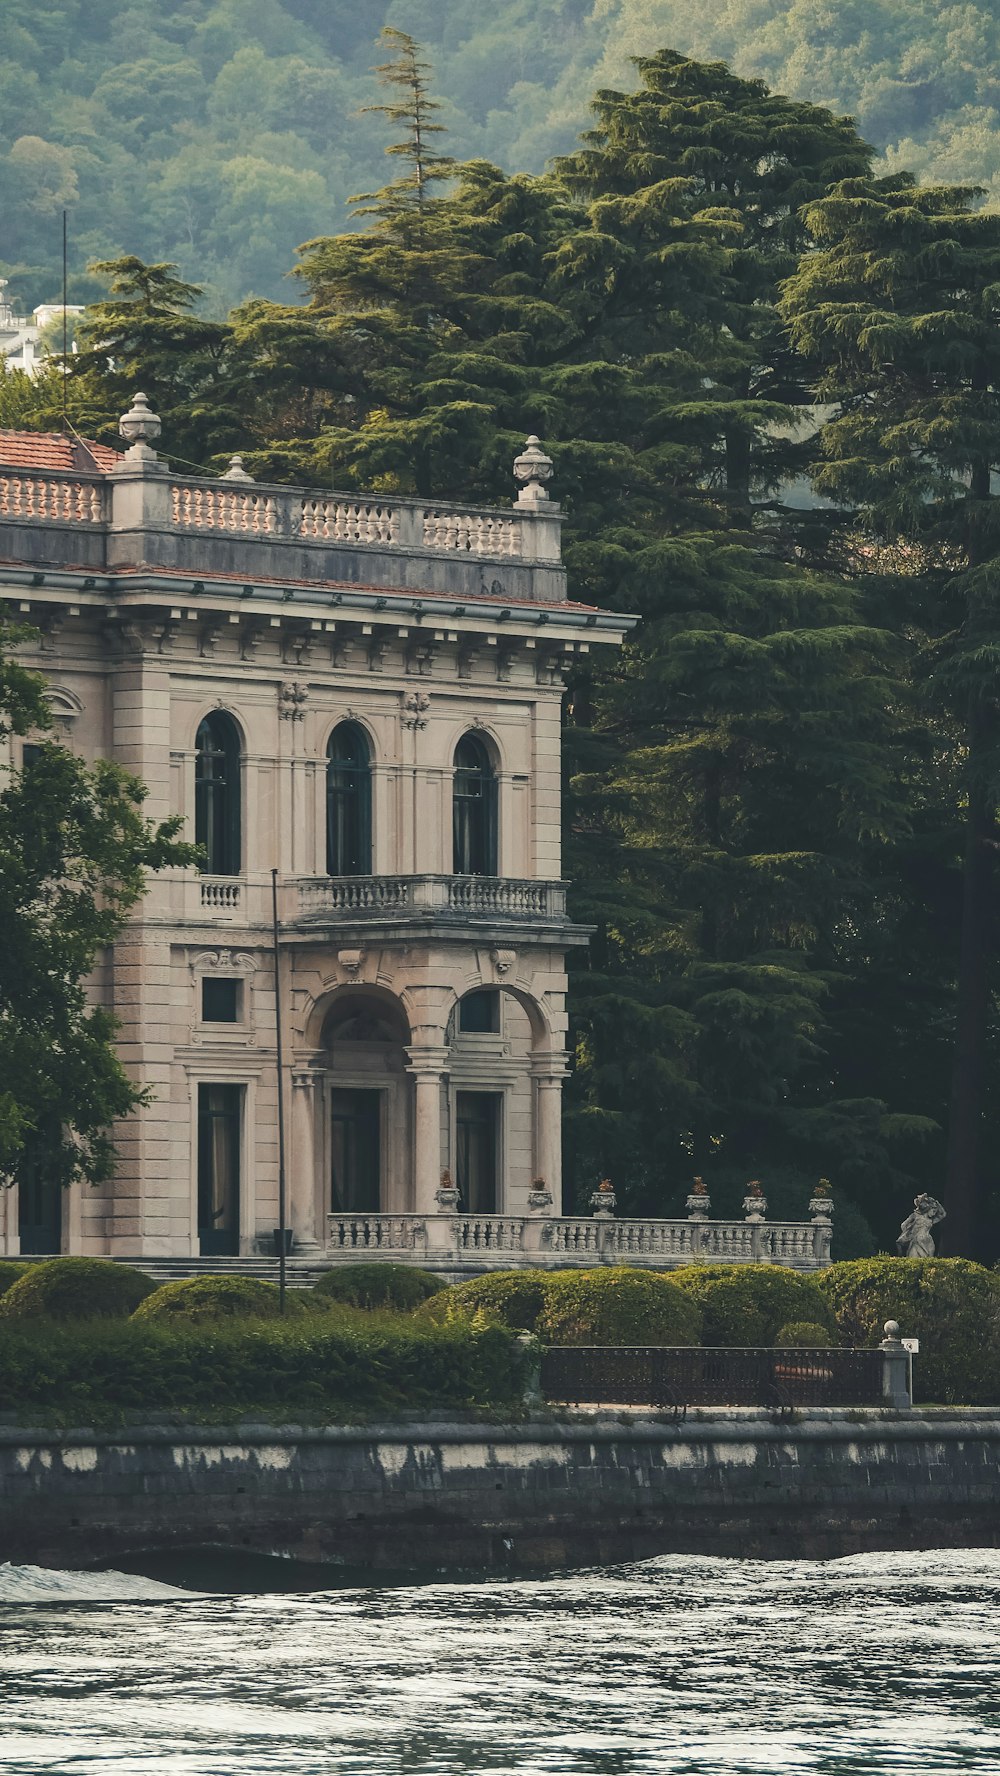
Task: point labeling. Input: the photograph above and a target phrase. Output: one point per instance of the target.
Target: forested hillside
(222, 133)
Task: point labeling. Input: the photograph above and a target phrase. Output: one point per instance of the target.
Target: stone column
(548, 1076)
(302, 1172)
(428, 1068)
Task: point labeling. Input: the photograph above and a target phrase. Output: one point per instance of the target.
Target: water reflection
(877, 1664)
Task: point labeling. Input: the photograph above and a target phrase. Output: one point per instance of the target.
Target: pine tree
(898, 315)
(406, 73)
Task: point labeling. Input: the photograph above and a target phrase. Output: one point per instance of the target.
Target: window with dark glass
(479, 1012)
(220, 1116)
(348, 803)
(474, 818)
(220, 1001)
(217, 794)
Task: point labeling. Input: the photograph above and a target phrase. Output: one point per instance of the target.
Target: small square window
(479, 1013)
(221, 1001)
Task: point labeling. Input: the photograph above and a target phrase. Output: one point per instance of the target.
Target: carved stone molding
(415, 704)
(351, 962)
(504, 962)
(292, 699)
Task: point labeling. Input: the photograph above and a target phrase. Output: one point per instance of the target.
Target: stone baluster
(303, 1194)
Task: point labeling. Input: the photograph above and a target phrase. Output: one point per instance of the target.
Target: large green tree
(898, 313)
(74, 851)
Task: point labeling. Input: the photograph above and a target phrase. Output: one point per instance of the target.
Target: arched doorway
(474, 810)
(218, 794)
(364, 1036)
(348, 802)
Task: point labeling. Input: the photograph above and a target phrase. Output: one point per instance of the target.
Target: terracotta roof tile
(50, 450)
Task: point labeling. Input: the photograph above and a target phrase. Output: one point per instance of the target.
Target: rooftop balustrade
(236, 527)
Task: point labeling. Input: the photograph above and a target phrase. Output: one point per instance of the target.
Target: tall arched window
(474, 810)
(217, 794)
(348, 803)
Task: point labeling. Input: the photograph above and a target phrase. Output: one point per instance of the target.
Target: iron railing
(678, 1377)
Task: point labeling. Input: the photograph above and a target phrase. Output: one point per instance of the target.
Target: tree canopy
(219, 134)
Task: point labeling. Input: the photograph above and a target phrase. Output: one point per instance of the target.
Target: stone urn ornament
(539, 1197)
(821, 1202)
(699, 1203)
(915, 1237)
(447, 1193)
(532, 469)
(140, 427)
(604, 1201)
(755, 1202)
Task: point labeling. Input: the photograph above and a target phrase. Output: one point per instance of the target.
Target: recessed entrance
(477, 1136)
(220, 1116)
(356, 1152)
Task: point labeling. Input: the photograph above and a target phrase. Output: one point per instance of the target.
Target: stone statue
(915, 1237)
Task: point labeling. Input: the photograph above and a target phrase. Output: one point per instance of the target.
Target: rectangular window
(220, 1127)
(221, 1001)
(477, 1133)
(479, 1012)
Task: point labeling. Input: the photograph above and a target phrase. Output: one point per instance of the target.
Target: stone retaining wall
(578, 1490)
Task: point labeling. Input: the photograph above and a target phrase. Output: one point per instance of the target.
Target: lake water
(886, 1663)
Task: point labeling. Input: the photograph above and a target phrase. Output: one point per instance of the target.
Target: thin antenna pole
(282, 1213)
(65, 365)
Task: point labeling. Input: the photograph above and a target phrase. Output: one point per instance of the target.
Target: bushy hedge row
(950, 1304)
(75, 1289)
(402, 1286)
(218, 1298)
(747, 1304)
(607, 1306)
(339, 1366)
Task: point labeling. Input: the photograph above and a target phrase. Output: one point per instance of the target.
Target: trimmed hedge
(803, 1335)
(75, 1289)
(513, 1297)
(345, 1367)
(10, 1271)
(217, 1298)
(616, 1306)
(747, 1304)
(950, 1304)
(401, 1286)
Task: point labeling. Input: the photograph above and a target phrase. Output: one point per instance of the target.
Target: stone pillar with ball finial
(541, 519)
(140, 489)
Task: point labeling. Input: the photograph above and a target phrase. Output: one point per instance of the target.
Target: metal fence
(676, 1377)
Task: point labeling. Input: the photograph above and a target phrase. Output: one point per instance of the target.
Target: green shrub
(747, 1304)
(616, 1306)
(344, 1366)
(513, 1297)
(803, 1335)
(75, 1289)
(10, 1270)
(217, 1298)
(379, 1285)
(950, 1304)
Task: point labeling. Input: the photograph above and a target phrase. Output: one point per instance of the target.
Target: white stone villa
(363, 694)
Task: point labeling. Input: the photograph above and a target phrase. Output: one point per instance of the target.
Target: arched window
(348, 803)
(217, 794)
(474, 810)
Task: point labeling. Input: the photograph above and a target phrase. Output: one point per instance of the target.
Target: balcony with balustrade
(432, 904)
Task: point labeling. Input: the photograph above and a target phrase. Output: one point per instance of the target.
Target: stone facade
(363, 695)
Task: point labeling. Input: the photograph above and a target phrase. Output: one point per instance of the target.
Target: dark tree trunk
(961, 1231)
(738, 466)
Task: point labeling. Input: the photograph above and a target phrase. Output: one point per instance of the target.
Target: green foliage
(616, 1306)
(399, 1286)
(74, 851)
(217, 1298)
(950, 1304)
(513, 1297)
(342, 1367)
(10, 1272)
(75, 1289)
(803, 1335)
(220, 135)
(747, 1304)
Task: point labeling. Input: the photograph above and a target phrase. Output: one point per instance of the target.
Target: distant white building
(20, 335)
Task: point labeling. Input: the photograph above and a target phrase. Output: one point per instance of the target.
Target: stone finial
(891, 1330)
(236, 471)
(532, 469)
(139, 426)
(821, 1202)
(603, 1202)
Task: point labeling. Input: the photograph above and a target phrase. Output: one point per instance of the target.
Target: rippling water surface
(880, 1663)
